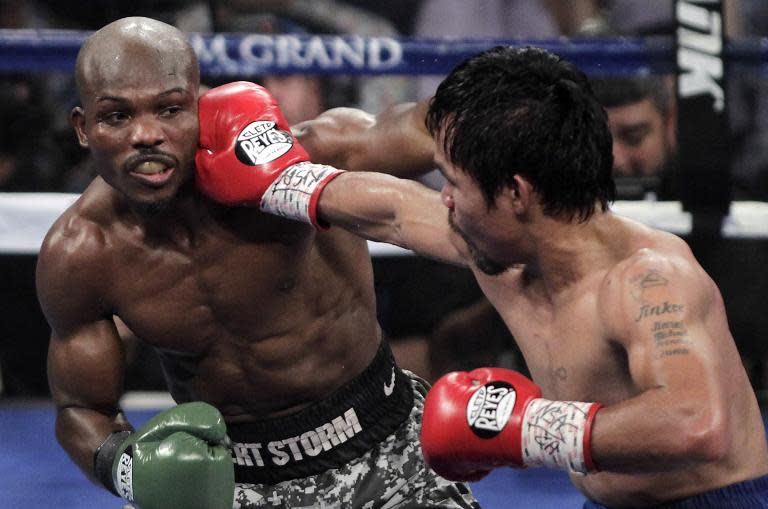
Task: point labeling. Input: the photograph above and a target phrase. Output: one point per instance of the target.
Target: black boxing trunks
(392, 474)
(329, 433)
(752, 494)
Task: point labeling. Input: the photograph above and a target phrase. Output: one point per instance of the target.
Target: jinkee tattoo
(670, 337)
(647, 310)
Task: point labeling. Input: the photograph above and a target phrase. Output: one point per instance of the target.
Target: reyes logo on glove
(124, 474)
(260, 143)
(489, 408)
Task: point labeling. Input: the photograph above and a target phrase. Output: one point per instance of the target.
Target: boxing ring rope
(26, 217)
(238, 54)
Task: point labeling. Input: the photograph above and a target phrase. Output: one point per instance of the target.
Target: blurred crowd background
(433, 314)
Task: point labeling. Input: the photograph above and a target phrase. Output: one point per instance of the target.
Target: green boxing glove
(180, 459)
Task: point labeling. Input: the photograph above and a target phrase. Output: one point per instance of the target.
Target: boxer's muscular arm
(373, 205)
(681, 413)
(396, 211)
(379, 207)
(82, 372)
(395, 141)
(86, 359)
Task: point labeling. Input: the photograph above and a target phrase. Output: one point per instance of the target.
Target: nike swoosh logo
(389, 388)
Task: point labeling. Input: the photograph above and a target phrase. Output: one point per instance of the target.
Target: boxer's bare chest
(184, 290)
(234, 312)
(565, 345)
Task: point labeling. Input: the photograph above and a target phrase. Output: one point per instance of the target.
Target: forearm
(657, 431)
(387, 209)
(366, 204)
(179, 458)
(80, 431)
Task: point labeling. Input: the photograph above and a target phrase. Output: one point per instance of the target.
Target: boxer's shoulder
(646, 263)
(81, 233)
(650, 281)
(76, 251)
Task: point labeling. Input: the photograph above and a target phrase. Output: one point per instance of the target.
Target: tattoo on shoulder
(670, 338)
(667, 307)
(649, 279)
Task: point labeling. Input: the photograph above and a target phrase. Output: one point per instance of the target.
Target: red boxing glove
(492, 417)
(247, 155)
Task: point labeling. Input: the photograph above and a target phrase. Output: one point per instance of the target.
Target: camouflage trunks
(388, 473)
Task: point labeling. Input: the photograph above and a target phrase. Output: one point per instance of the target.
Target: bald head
(133, 49)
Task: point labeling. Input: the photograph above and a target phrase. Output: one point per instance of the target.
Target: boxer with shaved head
(265, 327)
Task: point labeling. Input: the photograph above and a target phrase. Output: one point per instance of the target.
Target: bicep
(395, 141)
(668, 342)
(86, 367)
(398, 143)
(678, 401)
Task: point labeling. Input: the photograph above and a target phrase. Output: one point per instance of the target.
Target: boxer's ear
(77, 121)
(520, 194)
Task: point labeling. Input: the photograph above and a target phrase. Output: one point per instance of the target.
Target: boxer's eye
(170, 111)
(114, 118)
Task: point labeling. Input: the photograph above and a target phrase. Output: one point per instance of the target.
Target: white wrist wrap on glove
(295, 192)
(554, 432)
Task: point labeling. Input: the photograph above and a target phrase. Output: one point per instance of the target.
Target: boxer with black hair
(638, 388)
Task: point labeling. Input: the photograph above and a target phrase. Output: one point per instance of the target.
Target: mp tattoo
(650, 279)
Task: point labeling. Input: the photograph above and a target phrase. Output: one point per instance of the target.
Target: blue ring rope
(237, 54)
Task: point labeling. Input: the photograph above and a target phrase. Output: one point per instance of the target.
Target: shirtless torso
(575, 350)
(604, 309)
(233, 299)
(264, 322)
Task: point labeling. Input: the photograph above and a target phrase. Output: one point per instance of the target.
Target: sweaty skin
(256, 315)
(607, 310)
(669, 375)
